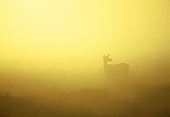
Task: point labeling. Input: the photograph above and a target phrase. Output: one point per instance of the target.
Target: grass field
(48, 94)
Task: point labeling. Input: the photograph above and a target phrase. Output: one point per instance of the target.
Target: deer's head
(106, 58)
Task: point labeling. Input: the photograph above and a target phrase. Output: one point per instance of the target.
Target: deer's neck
(105, 63)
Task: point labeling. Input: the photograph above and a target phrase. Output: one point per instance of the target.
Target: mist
(84, 58)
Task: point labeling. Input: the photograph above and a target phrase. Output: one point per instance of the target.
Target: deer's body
(110, 70)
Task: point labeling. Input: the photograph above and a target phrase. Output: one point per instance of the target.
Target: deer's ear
(108, 55)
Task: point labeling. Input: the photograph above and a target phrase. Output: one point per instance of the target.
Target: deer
(112, 70)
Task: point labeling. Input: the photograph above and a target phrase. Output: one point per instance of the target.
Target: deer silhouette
(110, 70)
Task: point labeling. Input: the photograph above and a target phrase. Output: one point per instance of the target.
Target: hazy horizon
(77, 32)
(52, 59)
(66, 40)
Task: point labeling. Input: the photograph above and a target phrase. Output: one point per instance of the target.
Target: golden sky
(77, 31)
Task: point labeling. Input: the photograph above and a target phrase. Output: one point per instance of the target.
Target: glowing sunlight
(84, 58)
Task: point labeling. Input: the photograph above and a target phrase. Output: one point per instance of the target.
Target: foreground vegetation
(138, 100)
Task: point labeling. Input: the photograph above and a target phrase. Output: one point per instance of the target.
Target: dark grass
(139, 100)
